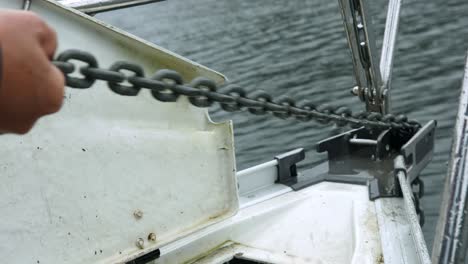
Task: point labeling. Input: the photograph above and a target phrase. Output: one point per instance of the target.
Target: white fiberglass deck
(325, 223)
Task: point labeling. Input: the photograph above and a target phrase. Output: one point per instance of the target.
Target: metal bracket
(287, 171)
(418, 153)
(362, 156)
(349, 151)
(370, 154)
(419, 149)
(364, 150)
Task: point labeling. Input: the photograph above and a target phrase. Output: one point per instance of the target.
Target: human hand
(30, 85)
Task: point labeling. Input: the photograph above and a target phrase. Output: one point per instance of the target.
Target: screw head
(355, 90)
(152, 237)
(384, 93)
(140, 243)
(138, 214)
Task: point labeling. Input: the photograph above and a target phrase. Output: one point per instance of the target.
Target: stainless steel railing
(451, 239)
(97, 6)
(388, 48)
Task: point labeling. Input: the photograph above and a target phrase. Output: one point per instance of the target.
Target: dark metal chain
(418, 192)
(167, 85)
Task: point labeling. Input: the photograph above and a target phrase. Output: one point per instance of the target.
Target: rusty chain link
(167, 85)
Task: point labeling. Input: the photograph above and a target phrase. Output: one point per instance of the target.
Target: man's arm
(30, 85)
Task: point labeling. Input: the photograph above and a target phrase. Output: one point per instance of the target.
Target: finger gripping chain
(167, 85)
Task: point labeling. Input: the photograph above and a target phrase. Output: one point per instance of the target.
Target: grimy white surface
(70, 188)
(324, 223)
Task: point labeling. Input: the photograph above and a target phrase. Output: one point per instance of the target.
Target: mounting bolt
(138, 214)
(384, 94)
(140, 243)
(152, 237)
(355, 90)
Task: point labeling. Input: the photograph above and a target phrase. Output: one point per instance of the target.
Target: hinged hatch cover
(110, 178)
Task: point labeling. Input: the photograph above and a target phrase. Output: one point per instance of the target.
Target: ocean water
(298, 48)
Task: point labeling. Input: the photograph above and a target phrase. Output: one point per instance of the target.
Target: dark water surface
(298, 48)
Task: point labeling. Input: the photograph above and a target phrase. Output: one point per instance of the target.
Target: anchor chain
(417, 187)
(167, 86)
